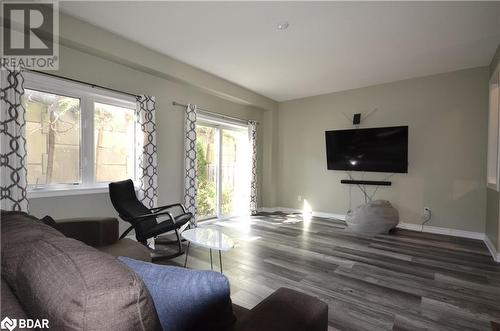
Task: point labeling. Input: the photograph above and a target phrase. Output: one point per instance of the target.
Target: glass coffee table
(208, 237)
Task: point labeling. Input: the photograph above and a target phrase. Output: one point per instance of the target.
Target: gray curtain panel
(190, 184)
(252, 132)
(147, 151)
(13, 167)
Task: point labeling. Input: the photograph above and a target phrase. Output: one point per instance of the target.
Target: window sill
(493, 186)
(58, 192)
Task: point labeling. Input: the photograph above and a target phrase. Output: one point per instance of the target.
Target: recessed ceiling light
(282, 25)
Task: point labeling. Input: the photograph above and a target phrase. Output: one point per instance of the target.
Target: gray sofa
(46, 274)
(102, 233)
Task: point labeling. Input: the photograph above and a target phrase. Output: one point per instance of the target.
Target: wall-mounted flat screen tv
(374, 149)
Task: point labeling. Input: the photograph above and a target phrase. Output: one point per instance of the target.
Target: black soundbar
(366, 182)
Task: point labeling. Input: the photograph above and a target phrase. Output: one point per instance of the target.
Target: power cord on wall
(363, 189)
(378, 186)
(426, 217)
(350, 197)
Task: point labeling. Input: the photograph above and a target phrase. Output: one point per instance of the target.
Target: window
(77, 136)
(493, 170)
(114, 142)
(52, 138)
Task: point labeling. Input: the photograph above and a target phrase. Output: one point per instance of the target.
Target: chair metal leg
(187, 252)
(160, 256)
(124, 234)
(211, 262)
(220, 260)
(178, 240)
(165, 241)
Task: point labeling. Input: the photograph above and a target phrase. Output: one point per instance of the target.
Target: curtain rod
(212, 113)
(82, 82)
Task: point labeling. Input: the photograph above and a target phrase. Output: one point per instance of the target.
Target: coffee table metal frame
(211, 238)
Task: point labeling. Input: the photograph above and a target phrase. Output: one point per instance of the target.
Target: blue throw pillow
(186, 299)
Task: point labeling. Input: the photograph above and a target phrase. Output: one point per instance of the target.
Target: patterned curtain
(190, 185)
(252, 132)
(147, 151)
(13, 170)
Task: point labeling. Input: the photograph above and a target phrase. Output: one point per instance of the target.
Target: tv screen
(375, 149)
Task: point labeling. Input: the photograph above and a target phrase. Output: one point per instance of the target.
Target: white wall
(447, 119)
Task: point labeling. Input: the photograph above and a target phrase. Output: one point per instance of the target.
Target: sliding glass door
(235, 172)
(207, 156)
(223, 165)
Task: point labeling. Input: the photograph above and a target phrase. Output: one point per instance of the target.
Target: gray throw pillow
(186, 299)
(76, 287)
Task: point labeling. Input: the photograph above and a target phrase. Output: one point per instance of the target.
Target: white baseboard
(440, 230)
(493, 251)
(407, 226)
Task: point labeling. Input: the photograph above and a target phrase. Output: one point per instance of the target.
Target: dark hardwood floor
(403, 281)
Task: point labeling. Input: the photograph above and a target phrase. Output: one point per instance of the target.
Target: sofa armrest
(286, 310)
(94, 231)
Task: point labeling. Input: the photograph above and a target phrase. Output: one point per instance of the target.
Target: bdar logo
(24, 323)
(8, 323)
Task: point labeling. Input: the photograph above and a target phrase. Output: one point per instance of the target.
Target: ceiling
(328, 46)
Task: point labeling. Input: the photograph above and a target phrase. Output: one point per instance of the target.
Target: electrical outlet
(299, 198)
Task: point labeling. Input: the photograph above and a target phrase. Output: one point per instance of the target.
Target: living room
(223, 108)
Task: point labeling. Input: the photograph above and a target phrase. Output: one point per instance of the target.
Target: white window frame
(88, 96)
(493, 162)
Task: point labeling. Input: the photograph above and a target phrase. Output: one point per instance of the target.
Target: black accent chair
(144, 220)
